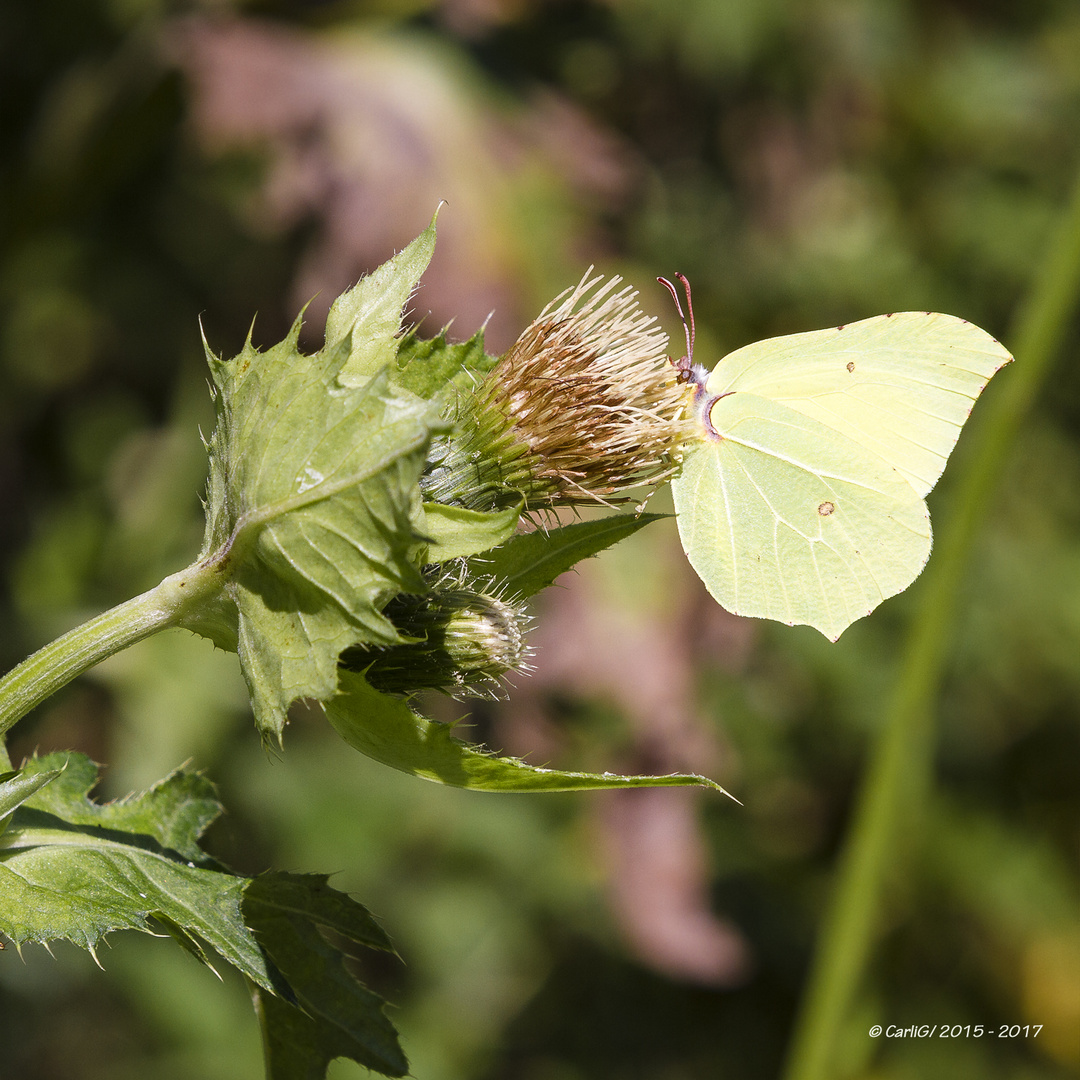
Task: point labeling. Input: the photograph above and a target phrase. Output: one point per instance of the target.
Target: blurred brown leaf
(366, 133)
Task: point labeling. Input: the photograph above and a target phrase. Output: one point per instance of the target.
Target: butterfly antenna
(690, 311)
(687, 327)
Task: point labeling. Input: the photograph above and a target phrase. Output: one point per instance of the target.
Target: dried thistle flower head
(582, 407)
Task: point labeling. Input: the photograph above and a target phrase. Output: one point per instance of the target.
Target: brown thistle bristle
(583, 406)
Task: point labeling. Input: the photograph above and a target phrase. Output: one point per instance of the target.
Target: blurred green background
(805, 164)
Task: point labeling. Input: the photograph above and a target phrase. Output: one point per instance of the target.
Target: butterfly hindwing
(786, 518)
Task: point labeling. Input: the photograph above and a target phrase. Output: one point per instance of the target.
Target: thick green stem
(898, 775)
(61, 660)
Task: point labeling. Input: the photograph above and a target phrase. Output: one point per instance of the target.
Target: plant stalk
(55, 665)
(897, 780)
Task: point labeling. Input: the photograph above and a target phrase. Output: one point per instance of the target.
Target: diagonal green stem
(61, 660)
(899, 770)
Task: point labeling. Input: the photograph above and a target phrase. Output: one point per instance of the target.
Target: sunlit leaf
(434, 366)
(455, 532)
(367, 318)
(76, 870)
(528, 563)
(17, 787)
(386, 728)
(313, 514)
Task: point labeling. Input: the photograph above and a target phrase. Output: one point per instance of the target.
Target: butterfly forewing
(786, 518)
(901, 385)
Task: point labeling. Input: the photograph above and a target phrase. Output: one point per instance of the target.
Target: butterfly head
(688, 371)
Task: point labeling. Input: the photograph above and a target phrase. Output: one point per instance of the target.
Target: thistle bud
(465, 642)
(583, 406)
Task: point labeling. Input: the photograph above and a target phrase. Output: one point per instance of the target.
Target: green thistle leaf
(76, 870)
(436, 368)
(455, 532)
(174, 813)
(525, 564)
(313, 511)
(386, 729)
(17, 787)
(333, 1015)
(367, 318)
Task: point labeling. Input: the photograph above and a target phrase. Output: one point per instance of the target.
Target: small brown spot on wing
(826, 508)
(851, 365)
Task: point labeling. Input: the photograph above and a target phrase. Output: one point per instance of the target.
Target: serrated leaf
(174, 813)
(386, 728)
(313, 514)
(75, 870)
(530, 562)
(454, 532)
(368, 316)
(310, 896)
(331, 1014)
(432, 367)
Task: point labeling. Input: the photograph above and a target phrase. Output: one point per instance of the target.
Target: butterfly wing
(786, 518)
(899, 385)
